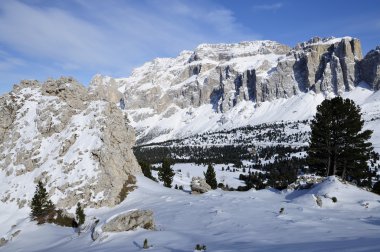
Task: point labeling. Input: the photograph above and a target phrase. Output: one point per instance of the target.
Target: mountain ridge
(242, 75)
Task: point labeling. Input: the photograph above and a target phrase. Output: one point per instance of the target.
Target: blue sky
(41, 38)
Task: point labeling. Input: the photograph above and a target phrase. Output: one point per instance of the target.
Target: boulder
(199, 185)
(130, 221)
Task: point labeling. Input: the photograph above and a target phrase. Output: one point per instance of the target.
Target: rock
(319, 201)
(199, 185)
(105, 88)
(305, 182)
(370, 68)
(79, 145)
(67, 144)
(130, 221)
(224, 75)
(3, 241)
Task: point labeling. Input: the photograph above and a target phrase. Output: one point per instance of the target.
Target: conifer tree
(338, 144)
(147, 170)
(166, 173)
(42, 207)
(81, 217)
(211, 177)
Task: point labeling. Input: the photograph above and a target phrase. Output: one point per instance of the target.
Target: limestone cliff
(76, 143)
(370, 68)
(226, 75)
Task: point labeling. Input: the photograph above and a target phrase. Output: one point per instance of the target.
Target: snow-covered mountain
(225, 86)
(72, 141)
(78, 142)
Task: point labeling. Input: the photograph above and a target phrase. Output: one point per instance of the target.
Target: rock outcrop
(130, 221)
(199, 185)
(105, 88)
(370, 68)
(75, 142)
(225, 74)
(228, 75)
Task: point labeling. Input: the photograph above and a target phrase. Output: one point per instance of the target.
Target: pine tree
(147, 170)
(338, 146)
(42, 207)
(211, 177)
(81, 217)
(166, 173)
(376, 187)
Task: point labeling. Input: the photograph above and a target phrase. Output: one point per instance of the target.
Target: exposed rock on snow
(9, 237)
(199, 185)
(305, 182)
(130, 221)
(77, 144)
(318, 200)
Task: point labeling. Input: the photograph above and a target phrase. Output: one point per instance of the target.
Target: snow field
(227, 221)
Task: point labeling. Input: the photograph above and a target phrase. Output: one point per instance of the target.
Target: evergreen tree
(338, 146)
(81, 217)
(210, 177)
(376, 187)
(42, 207)
(166, 173)
(147, 170)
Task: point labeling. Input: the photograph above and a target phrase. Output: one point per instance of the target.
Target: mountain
(225, 86)
(68, 138)
(79, 141)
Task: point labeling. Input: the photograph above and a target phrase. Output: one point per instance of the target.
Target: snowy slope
(191, 121)
(226, 221)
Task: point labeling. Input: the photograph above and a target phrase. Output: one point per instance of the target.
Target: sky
(41, 39)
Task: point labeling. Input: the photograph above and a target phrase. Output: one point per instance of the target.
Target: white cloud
(111, 36)
(268, 7)
(50, 33)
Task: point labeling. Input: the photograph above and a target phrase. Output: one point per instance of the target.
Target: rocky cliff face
(225, 75)
(76, 143)
(370, 68)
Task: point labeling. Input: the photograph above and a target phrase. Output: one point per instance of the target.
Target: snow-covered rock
(199, 185)
(75, 143)
(130, 221)
(223, 86)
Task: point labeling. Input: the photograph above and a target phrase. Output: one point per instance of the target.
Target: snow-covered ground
(224, 174)
(223, 221)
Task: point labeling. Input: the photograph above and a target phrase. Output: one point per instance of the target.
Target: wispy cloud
(111, 37)
(268, 7)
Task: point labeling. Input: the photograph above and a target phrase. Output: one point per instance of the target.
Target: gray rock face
(107, 91)
(328, 64)
(130, 221)
(370, 68)
(226, 76)
(73, 141)
(199, 185)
